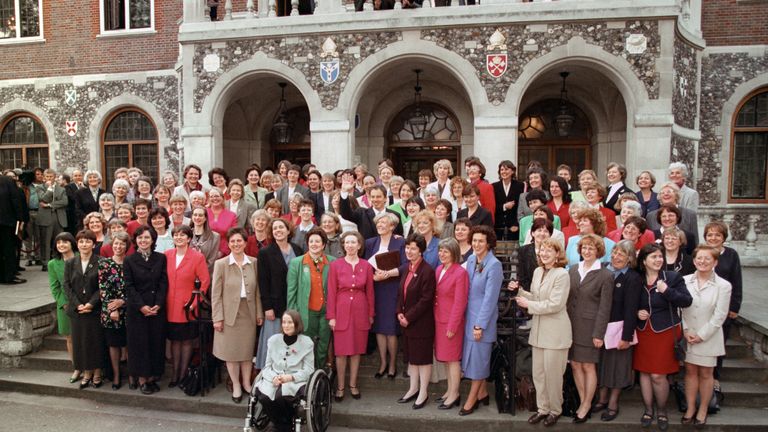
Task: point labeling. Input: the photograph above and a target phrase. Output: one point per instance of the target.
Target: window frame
(18, 39)
(103, 32)
(732, 146)
(130, 144)
(25, 147)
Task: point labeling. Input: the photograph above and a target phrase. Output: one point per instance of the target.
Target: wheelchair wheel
(257, 419)
(318, 401)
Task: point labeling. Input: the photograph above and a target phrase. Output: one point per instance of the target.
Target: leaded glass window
(130, 140)
(23, 143)
(749, 157)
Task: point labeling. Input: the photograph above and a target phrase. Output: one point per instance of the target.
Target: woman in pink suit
(184, 265)
(220, 219)
(350, 310)
(450, 305)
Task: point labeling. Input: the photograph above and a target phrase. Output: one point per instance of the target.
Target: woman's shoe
(663, 422)
(646, 420)
(153, 385)
(699, 424)
(444, 406)
(600, 406)
(577, 419)
(609, 415)
(686, 420)
(381, 373)
(466, 412)
(116, 386)
(392, 375)
(237, 399)
(339, 396)
(85, 383)
(551, 420)
(536, 418)
(76, 375)
(418, 406)
(354, 392)
(132, 385)
(97, 382)
(146, 389)
(485, 401)
(440, 400)
(404, 399)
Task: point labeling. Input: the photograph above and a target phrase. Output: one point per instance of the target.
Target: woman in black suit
(146, 287)
(87, 198)
(507, 192)
(415, 300)
(81, 284)
(617, 175)
(527, 256)
(474, 211)
(273, 283)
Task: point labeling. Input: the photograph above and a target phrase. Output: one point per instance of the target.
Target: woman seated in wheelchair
(290, 363)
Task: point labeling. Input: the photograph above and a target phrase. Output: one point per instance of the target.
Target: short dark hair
(469, 189)
(64, 236)
(162, 212)
(183, 229)
(237, 231)
(563, 187)
(542, 223)
(490, 235)
(305, 202)
(86, 234)
(669, 208)
(219, 171)
(293, 167)
(142, 202)
(415, 200)
(417, 238)
(288, 224)
(141, 230)
(298, 324)
(644, 252)
(638, 222)
(510, 165)
(536, 194)
(318, 232)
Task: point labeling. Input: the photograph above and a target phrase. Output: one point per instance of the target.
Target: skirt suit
(550, 335)
(56, 282)
(235, 300)
(351, 304)
(615, 369)
(705, 318)
(82, 287)
(415, 298)
(385, 291)
(146, 284)
(181, 283)
(655, 352)
(485, 279)
(451, 294)
(589, 308)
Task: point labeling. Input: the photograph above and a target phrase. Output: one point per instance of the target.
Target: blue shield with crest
(329, 71)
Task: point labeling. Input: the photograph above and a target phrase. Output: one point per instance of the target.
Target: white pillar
(198, 148)
(331, 147)
(193, 11)
(495, 140)
(648, 145)
(329, 6)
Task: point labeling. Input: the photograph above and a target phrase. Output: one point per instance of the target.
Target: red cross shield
(71, 128)
(496, 64)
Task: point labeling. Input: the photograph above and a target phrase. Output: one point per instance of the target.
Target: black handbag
(192, 382)
(681, 345)
(678, 389)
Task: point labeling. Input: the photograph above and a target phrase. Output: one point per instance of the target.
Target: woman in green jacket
(307, 291)
(65, 249)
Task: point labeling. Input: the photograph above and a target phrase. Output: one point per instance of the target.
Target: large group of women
(303, 263)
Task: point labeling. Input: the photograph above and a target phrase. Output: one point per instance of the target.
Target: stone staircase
(745, 382)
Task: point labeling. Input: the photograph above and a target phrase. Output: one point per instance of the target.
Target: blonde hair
(560, 258)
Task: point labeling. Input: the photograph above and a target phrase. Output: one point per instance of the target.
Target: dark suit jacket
(627, 288)
(84, 204)
(663, 307)
(317, 198)
(612, 202)
(71, 204)
(418, 301)
(363, 217)
(57, 198)
(82, 288)
(688, 222)
(480, 217)
(589, 304)
(690, 239)
(146, 282)
(273, 274)
(526, 265)
(10, 202)
(282, 195)
(506, 218)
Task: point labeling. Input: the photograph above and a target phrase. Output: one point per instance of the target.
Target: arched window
(23, 143)
(749, 150)
(130, 140)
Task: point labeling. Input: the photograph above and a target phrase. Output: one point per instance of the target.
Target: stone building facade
(650, 82)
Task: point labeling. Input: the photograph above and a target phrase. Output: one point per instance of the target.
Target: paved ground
(36, 293)
(19, 412)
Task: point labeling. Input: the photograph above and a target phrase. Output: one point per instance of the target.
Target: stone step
(376, 409)
(744, 370)
(55, 343)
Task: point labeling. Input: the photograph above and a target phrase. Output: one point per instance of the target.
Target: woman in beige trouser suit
(550, 336)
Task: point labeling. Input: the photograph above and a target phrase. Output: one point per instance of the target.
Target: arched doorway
(540, 139)
(417, 144)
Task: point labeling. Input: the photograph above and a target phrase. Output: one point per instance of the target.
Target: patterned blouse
(111, 287)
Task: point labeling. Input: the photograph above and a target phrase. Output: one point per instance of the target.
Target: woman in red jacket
(184, 266)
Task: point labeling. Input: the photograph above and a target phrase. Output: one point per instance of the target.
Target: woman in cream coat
(550, 336)
(702, 326)
(236, 311)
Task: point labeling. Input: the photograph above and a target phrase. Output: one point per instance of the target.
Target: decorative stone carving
(497, 41)
(211, 63)
(301, 54)
(636, 44)
(718, 83)
(329, 49)
(162, 92)
(525, 43)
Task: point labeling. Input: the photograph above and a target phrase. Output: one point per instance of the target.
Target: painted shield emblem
(329, 71)
(71, 128)
(496, 64)
(70, 97)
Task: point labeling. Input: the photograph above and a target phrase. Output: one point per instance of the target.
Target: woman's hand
(114, 315)
(270, 315)
(380, 275)
(733, 315)
(276, 381)
(332, 324)
(622, 345)
(403, 321)
(661, 286)
(115, 304)
(522, 302)
(259, 321)
(513, 285)
(218, 326)
(477, 334)
(370, 320)
(598, 343)
(146, 310)
(643, 314)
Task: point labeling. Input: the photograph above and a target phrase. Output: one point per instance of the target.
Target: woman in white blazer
(702, 326)
(289, 365)
(550, 336)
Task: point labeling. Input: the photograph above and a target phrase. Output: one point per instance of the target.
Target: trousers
(548, 369)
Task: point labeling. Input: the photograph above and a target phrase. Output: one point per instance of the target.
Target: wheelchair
(313, 410)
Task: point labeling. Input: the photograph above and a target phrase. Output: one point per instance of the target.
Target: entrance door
(414, 146)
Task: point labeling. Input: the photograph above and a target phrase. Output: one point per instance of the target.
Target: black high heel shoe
(444, 406)
(485, 401)
(577, 419)
(418, 406)
(465, 412)
(392, 375)
(403, 400)
(85, 383)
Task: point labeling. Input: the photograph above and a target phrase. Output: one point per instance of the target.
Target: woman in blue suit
(485, 279)
(385, 285)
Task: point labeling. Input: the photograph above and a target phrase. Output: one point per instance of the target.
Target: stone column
(495, 140)
(329, 6)
(648, 145)
(331, 147)
(198, 147)
(194, 10)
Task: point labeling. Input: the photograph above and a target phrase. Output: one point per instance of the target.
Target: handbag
(681, 345)
(526, 394)
(613, 335)
(678, 389)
